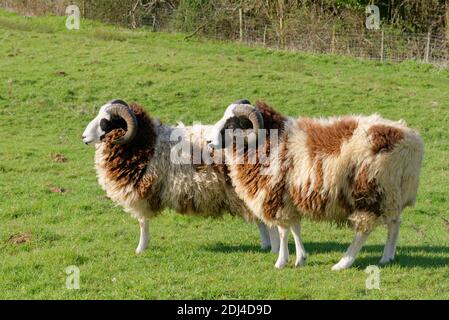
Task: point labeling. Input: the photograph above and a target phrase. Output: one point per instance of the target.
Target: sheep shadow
(407, 256)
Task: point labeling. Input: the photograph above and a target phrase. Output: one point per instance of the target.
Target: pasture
(53, 213)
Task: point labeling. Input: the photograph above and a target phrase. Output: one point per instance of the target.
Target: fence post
(241, 24)
(281, 32)
(333, 41)
(382, 47)
(427, 48)
(447, 20)
(265, 36)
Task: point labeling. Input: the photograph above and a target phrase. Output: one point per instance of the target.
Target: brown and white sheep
(134, 165)
(348, 170)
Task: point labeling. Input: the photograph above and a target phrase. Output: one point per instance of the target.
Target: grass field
(53, 213)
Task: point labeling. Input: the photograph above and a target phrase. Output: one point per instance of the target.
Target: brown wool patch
(154, 199)
(319, 180)
(250, 175)
(342, 198)
(366, 193)
(274, 199)
(145, 184)
(327, 139)
(344, 203)
(127, 164)
(272, 118)
(310, 198)
(384, 138)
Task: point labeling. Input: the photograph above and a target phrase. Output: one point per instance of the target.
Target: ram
(135, 166)
(347, 170)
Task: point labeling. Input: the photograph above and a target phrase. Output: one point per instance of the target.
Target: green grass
(52, 82)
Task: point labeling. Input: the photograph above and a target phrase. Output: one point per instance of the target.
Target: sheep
(352, 170)
(133, 165)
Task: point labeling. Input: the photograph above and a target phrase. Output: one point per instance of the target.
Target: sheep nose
(84, 137)
(209, 141)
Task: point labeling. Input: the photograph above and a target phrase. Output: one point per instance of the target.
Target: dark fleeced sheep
(134, 166)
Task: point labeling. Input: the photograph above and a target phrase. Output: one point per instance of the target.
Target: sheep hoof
(344, 263)
(140, 250)
(280, 264)
(386, 260)
(300, 261)
(338, 267)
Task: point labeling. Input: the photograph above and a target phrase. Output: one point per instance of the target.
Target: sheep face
(223, 131)
(102, 124)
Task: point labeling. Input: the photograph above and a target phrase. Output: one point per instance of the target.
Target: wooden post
(382, 47)
(281, 32)
(265, 36)
(333, 41)
(426, 59)
(447, 20)
(241, 24)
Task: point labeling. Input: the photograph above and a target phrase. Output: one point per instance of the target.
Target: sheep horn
(250, 112)
(124, 112)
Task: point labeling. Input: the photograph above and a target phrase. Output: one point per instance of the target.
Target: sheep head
(240, 115)
(113, 115)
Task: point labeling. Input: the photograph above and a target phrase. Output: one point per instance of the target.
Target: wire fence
(299, 31)
(382, 45)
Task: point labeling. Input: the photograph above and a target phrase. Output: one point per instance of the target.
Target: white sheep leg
(274, 239)
(390, 246)
(283, 248)
(144, 235)
(350, 255)
(264, 235)
(301, 255)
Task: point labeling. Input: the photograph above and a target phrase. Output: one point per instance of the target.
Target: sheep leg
(301, 255)
(144, 235)
(390, 246)
(264, 235)
(353, 250)
(274, 239)
(283, 248)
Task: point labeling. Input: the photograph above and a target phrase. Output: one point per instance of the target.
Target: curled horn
(120, 109)
(250, 112)
(253, 115)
